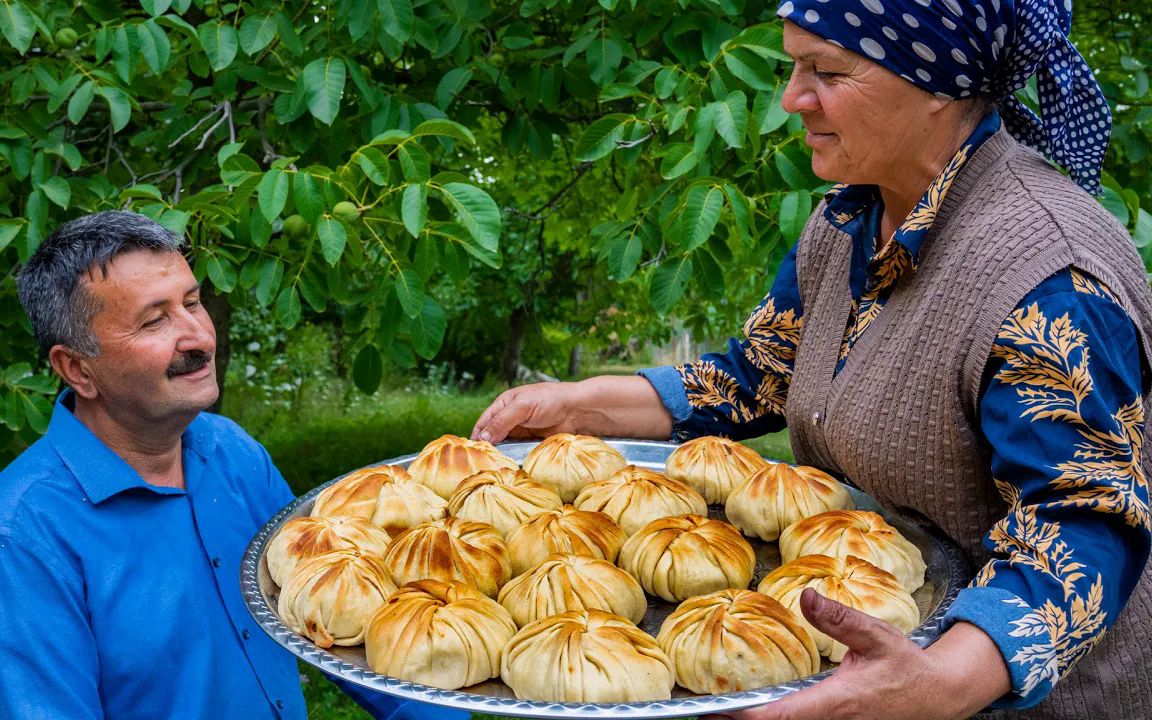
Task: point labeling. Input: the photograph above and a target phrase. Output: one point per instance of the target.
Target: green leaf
(286, 32)
(226, 152)
(220, 43)
(794, 210)
(272, 193)
(741, 213)
(451, 85)
(604, 57)
(414, 208)
(58, 191)
(125, 52)
(309, 201)
(81, 100)
(37, 410)
(269, 279)
(155, 8)
(1141, 236)
(445, 128)
(624, 255)
(333, 239)
(669, 281)
(119, 107)
(397, 18)
(368, 369)
(709, 275)
(9, 229)
(477, 211)
(679, 160)
(600, 138)
(427, 329)
(259, 229)
(154, 46)
(410, 291)
(256, 32)
(222, 273)
(414, 163)
(288, 308)
(768, 111)
(701, 213)
(324, 84)
(731, 117)
(757, 73)
(1116, 205)
(17, 24)
(705, 127)
(374, 164)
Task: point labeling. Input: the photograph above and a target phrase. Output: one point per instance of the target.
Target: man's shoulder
(31, 481)
(214, 433)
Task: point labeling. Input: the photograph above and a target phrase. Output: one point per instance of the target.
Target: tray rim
(959, 572)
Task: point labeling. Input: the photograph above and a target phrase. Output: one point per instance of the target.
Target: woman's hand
(619, 406)
(887, 676)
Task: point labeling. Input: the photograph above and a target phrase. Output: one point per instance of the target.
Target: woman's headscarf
(987, 47)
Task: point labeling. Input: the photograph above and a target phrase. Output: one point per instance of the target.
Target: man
(122, 529)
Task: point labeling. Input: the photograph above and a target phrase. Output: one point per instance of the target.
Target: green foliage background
(476, 181)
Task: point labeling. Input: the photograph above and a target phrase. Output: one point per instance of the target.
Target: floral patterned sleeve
(1062, 413)
(739, 393)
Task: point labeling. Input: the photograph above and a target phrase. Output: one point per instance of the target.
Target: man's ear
(73, 369)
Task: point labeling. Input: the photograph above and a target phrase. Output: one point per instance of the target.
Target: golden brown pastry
(840, 533)
(678, 557)
(573, 582)
(447, 460)
(451, 549)
(385, 494)
(713, 466)
(854, 582)
(567, 530)
(330, 598)
(304, 538)
(444, 634)
(586, 656)
(503, 498)
(569, 462)
(779, 495)
(636, 496)
(736, 640)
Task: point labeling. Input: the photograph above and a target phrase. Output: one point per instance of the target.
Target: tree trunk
(220, 310)
(575, 360)
(514, 349)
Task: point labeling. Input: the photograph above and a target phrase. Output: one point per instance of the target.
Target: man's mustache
(188, 362)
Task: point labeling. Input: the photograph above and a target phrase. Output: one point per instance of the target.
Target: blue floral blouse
(1061, 410)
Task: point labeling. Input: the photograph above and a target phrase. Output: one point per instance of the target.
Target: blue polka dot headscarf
(989, 47)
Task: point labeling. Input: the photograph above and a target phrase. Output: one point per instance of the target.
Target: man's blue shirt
(121, 599)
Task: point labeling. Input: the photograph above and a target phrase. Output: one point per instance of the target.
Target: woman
(962, 331)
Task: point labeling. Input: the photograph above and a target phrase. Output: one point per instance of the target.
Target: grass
(327, 435)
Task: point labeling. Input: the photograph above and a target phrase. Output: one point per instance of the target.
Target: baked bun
(778, 495)
(736, 640)
(330, 598)
(840, 533)
(444, 634)
(678, 557)
(586, 656)
(386, 494)
(713, 466)
(304, 538)
(573, 582)
(569, 462)
(568, 531)
(634, 497)
(854, 582)
(451, 549)
(447, 460)
(503, 498)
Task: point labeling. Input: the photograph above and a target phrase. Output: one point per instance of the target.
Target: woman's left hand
(887, 676)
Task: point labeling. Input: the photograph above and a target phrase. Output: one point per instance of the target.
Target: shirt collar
(97, 468)
(845, 202)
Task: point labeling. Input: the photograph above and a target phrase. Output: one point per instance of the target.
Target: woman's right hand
(619, 406)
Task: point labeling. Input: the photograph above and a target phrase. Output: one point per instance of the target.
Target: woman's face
(864, 122)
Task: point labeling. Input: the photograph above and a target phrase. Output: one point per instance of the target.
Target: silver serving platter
(947, 573)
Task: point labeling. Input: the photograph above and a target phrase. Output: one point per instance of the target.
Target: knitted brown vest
(901, 417)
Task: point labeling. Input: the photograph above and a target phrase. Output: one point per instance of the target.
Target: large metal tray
(947, 573)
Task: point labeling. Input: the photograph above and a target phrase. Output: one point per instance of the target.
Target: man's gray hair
(59, 305)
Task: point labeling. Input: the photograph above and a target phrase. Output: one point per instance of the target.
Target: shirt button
(245, 634)
(280, 704)
(215, 562)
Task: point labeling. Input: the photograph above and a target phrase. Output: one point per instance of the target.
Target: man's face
(156, 339)
(862, 119)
